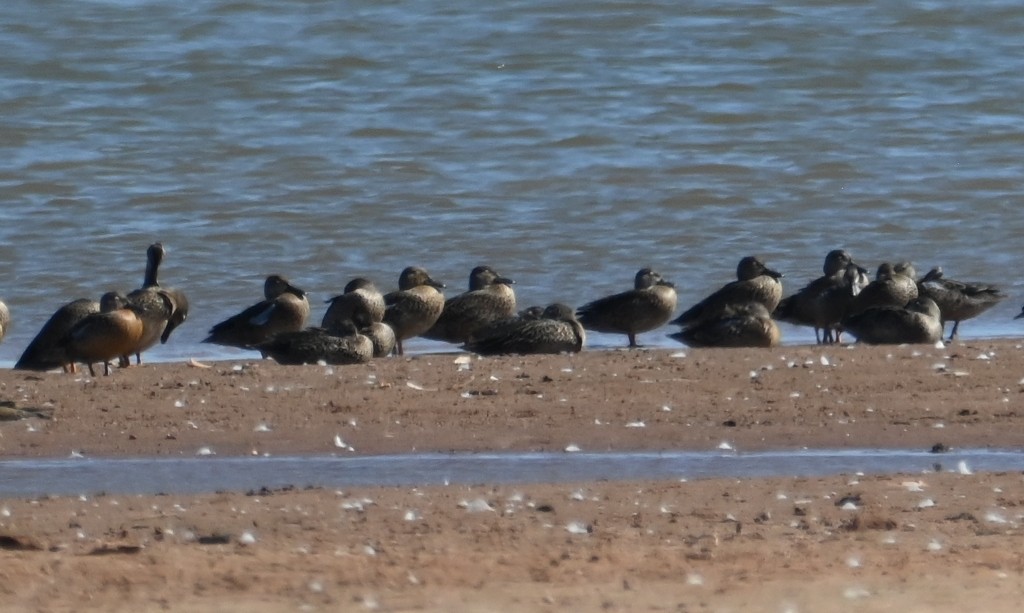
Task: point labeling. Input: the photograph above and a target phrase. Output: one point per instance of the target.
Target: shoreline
(913, 541)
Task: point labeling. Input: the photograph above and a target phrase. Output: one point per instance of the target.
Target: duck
(743, 325)
(45, 352)
(649, 305)
(958, 300)
(490, 297)
(755, 282)
(832, 305)
(415, 307)
(103, 336)
(316, 345)
(5, 320)
(162, 309)
(556, 331)
(284, 308)
(501, 326)
(360, 296)
(894, 285)
(919, 321)
(802, 308)
(382, 337)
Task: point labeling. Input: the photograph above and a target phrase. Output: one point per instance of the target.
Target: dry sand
(918, 542)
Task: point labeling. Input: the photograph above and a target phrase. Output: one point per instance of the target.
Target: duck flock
(362, 323)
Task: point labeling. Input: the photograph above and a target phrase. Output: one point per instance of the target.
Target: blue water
(567, 144)
(193, 475)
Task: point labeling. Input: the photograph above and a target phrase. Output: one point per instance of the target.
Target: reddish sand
(922, 542)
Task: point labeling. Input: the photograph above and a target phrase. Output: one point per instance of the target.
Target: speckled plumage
(754, 282)
(161, 309)
(382, 337)
(415, 307)
(893, 286)
(804, 308)
(45, 351)
(284, 309)
(490, 298)
(316, 345)
(556, 331)
(361, 299)
(744, 325)
(917, 322)
(649, 305)
(958, 300)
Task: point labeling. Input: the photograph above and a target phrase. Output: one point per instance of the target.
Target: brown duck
(283, 309)
(754, 282)
(958, 300)
(647, 306)
(162, 309)
(45, 352)
(917, 322)
(803, 308)
(490, 298)
(744, 325)
(103, 336)
(415, 307)
(556, 331)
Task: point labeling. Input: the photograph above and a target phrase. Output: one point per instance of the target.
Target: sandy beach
(910, 542)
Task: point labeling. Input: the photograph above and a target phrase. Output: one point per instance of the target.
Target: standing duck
(45, 351)
(754, 282)
(647, 306)
(161, 309)
(415, 307)
(917, 322)
(802, 308)
(103, 336)
(556, 331)
(958, 300)
(284, 309)
(490, 298)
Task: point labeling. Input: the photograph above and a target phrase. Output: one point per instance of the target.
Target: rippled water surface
(191, 475)
(567, 144)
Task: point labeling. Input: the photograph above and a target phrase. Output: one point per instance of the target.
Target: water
(193, 475)
(565, 143)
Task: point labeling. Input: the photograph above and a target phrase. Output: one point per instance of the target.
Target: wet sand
(917, 542)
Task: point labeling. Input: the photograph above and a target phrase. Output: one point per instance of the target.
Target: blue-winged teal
(316, 345)
(893, 286)
(162, 309)
(556, 331)
(958, 300)
(284, 309)
(802, 308)
(917, 322)
(361, 296)
(490, 297)
(743, 325)
(45, 351)
(5, 320)
(647, 306)
(415, 307)
(754, 282)
(103, 336)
